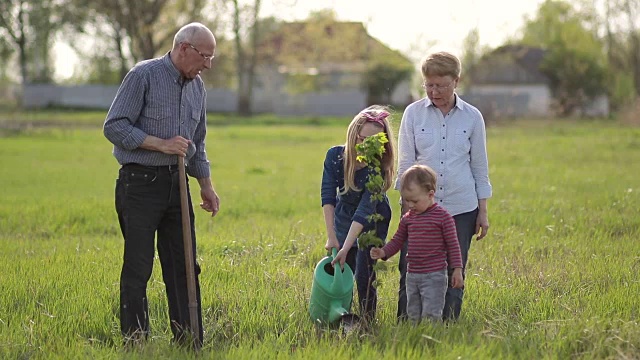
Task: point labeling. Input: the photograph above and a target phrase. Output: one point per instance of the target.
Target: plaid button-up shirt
(154, 99)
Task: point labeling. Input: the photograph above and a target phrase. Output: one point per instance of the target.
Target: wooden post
(188, 255)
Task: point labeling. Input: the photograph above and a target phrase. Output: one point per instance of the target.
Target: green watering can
(331, 293)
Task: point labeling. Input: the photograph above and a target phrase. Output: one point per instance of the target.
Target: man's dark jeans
(148, 202)
(465, 228)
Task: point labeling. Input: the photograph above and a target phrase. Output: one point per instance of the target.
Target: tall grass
(557, 277)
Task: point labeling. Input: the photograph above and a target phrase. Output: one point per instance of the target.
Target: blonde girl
(347, 203)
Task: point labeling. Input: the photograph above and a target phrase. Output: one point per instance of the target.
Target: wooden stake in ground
(188, 255)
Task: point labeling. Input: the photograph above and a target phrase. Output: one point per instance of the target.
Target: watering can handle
(337, 272)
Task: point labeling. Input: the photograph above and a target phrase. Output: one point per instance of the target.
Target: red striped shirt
(433, 241)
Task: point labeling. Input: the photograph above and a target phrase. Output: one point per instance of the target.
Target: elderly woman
(447, 134)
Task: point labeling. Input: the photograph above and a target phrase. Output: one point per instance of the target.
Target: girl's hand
(340, 258)
(377, 253)
(457, 282)
(331, 244)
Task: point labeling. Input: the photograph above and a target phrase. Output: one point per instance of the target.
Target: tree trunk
(124, 68)
(254, 51)
(22, 47)
(633, 11)
(635, 59)
(148, 47)
(244, 102)
(254, 55)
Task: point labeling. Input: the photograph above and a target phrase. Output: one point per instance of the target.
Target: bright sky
(402, 23)
(405, 25)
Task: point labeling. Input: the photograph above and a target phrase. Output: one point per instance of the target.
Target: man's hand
(210, 200)
(177, 145)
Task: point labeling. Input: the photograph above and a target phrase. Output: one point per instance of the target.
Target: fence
(336, 103)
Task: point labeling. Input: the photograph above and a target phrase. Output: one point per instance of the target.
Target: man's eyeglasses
(437, 87)
(205, 57)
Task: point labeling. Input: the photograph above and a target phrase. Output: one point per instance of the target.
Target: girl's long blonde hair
(387, 164)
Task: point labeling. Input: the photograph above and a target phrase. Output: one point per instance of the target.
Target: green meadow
(556, 278)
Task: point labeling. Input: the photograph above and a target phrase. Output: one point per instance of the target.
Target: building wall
(492, 100)
(85, 96)
(273, 81)
(334, 103)
(511, 101)
(599, 107)
(501, 101)
(402, 95)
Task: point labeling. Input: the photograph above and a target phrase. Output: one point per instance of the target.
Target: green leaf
(370, 152)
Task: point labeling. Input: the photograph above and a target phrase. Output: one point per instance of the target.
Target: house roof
(510, 64)
(326, 46)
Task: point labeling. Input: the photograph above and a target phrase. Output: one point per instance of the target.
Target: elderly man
(159, 114)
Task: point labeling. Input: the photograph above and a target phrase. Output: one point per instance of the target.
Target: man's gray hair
(188, 32)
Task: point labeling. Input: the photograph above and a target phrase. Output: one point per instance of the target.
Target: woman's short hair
(441, 64)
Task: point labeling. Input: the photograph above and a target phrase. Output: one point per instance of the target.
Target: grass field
(556, 278)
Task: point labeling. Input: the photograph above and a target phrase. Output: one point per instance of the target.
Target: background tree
(216, 15)
(621, 25)
(249, 33)
(31, 26)
(246, 30)
(5, 56)
(383, 75)
(472, 52)
(574, 62)
(417, 51)
(632, 10)
(139, 21)
(128, 31)
(108, 58)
